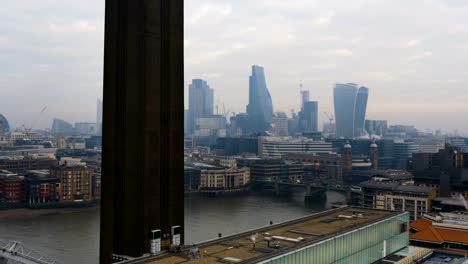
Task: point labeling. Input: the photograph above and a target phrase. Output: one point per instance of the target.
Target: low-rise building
(209, 178)
(23, 164)
(12, 189)
(280, 146)
(395, 196)
(75, 181)
(273, 169)
(445, 232)
(42, 188)
(227, 179)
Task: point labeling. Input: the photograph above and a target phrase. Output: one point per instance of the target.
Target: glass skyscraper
(308, 117)
(200, 102)
(4, 126)
(360, 111)
(260, 107)
(350, 109)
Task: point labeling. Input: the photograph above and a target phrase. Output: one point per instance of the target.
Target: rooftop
(427, 232)
(291, 235)
(397, 187)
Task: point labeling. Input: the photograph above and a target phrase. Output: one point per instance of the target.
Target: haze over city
(413, 60)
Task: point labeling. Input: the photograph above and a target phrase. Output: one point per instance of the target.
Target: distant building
(350, 109)
(401, 132)
(61, 127)
(76, 182)
(200, 103)
(21, 165)
(86, 129)
(273, 169)
(15, 136)
(446, 171)
(214, 125)
(460, 143)
(429, 145)
(207, 178)
(330, 166)
(233, 146)
(308, 117)
(4, 126)
(293, 125)
(239, 125)
(231, 179)
(361, 150)
(376, 127)
(280, 124)
(279, 146)
(260, 107)
(403, 153)
(93, 142)
(305, 97)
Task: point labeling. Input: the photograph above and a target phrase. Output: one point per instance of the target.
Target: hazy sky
(413, 55)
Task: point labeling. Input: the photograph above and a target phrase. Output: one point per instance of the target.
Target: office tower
(99, 118)
(4, 126)
(200, 102)
(143, 152)
(308, 117)
(305, 97)
(402, 153)
(280, 124)
(60, 126)
(260, 107)
(376, 127)
(85, 129)
(360, 111)
(350, 109)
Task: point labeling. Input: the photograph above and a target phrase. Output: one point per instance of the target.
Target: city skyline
(416, 71)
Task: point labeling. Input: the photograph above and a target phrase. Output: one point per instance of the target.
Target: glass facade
(360, 111)
(360, 246)
(350, 109)
(260, 108)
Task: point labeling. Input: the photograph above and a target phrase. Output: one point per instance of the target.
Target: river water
(73, 237)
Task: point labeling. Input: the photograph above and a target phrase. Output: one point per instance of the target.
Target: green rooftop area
(274, 240)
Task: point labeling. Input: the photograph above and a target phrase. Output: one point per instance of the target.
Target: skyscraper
(200, 102)
(360, 111)
(4, 126)
(260, 107)
(305, 97)
(350, 109)
(308, 117)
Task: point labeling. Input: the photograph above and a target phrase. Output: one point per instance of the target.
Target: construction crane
(330, 117)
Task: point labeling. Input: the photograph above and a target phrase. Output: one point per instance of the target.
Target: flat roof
(291, 235)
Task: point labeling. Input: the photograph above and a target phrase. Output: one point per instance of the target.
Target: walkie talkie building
(350, 109)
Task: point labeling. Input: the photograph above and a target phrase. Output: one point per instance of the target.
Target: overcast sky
(413, 55)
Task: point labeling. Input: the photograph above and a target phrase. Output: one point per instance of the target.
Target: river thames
(72, 236)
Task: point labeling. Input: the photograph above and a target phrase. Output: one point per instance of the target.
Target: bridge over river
(17, 253)
(313, 190)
